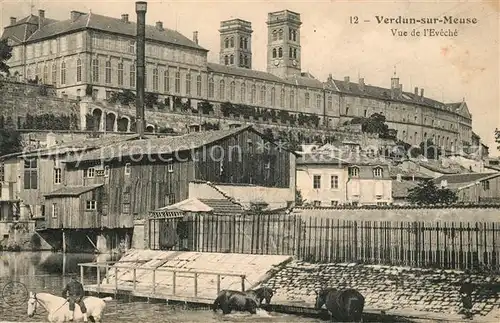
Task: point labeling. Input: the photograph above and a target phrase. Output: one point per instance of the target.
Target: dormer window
(89, 172)
(353, 172)
(378, 172)
(444, 183)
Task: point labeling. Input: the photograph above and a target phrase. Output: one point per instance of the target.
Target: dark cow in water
(229, 300)
(343, 305)
(261, 294)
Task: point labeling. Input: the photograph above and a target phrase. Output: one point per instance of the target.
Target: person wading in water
(466, 296)
(74, 293)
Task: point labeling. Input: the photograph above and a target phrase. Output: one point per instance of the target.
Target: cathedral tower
(283, 43)
(236, 43)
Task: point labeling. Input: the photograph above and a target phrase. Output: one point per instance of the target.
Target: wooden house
(142, 175)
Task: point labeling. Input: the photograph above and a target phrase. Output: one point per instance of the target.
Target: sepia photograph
(250, 161)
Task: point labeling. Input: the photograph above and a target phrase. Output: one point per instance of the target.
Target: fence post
(116, 280)
(81, 274)
(242, 283)
(154, 281)
(173, 282)
(135, 275)
(218, 284)
(195, 284)
(98, 278)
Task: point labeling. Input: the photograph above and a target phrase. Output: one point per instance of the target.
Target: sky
(449, 69)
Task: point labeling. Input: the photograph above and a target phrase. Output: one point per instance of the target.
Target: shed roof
(214, 206)
(72, 190)
(459, 181)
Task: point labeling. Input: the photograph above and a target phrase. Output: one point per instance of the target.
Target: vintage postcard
(251, 161)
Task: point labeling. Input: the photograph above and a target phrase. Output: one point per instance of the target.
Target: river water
(48, 272)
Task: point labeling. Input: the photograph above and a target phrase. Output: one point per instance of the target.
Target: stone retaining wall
(386, 288)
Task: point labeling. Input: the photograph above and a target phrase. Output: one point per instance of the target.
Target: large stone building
(91, 49)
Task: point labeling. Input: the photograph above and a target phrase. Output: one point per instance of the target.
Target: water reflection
(47, 272)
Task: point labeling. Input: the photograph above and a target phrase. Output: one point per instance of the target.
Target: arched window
(306, 103)
(280, 34)
(318, 101)
(155, 79)
(231, 59)
(226, 43)
(95, 70)
(263, 94)
(274, 52)
(294, 35)
(46, 73)
(166, 81)
(63, 73)
(282, 98)
(222, 89)
(28, 74)
(353, 171)
(177, 82)
(198, 85)
(132, 75)
(188, 84)
(211, 87)
(275, 35)
(280, 52)
(231, 41)
(292, 99)
(37, 72)
(273, 97)
(378, 172)
(243, 92)
(107, 75)
(253, 93)
(78, 70)
(120, 74)
(241, 42)
(226, 60)
(232, 91)
(53, 72)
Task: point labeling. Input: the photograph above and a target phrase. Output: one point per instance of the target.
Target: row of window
(353, 172)
(244, 42)
(278, 34)
(278, 53)
(243, 62)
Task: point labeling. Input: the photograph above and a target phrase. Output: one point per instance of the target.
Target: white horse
(58, 307)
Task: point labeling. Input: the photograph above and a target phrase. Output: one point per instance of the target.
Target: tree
(427, 193)
(298, 198)
(10, 141)
(5, 55)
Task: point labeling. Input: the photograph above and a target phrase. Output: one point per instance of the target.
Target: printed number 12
(353, 19)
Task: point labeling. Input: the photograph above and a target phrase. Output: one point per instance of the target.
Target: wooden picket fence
(446, 245)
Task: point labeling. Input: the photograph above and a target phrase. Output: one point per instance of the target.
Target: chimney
(76, 14)
(421, 94)
(347, 82)
(195, 37)
(41, 17)
(12, 20)
(361, 84)
(394, 86)
(159, 25)
(416, 91)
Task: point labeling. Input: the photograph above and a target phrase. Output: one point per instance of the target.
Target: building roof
(71, 146)
(243, 72)
(111, 25)
(159, 146)
(458, 181)
(214, 206)
(394, 171)
(437, 166)
(18, 32)
(340, 158)
(72, 190)
(401, 189)
(223, 206)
